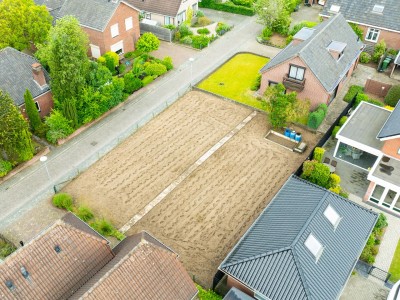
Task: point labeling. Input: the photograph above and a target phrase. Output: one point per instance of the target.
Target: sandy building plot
(134, 173)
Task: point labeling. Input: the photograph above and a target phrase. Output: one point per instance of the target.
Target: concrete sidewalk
(31, 186)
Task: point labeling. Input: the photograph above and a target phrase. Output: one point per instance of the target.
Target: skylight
(335, 8)
(378, 8)
(332, 216)
(314, 246)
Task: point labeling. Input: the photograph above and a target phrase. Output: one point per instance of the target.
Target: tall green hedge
(352, 92)
(227, 7)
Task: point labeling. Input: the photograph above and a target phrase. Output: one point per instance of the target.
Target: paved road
(32, 185)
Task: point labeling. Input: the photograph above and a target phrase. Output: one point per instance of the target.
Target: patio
(355, 156)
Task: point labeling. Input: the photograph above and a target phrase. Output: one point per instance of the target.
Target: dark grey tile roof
(289, 270)
(90, 13)
(235, 294)
(313, 51)
(364, 125)
(163, 7)
(392, 124)
(53, 6)
(16, 75)
(361, 12)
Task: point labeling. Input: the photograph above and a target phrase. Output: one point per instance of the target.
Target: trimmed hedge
(393, 96)
(147, 80)
(227, 7)
(363, 97)
(155, 69)
(316, 117)
(352, 92)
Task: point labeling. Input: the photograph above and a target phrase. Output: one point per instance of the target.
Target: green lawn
(234, 79)
(395, 265)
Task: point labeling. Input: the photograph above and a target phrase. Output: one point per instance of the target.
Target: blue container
(287, 132)
(292, 134)
(297, 138)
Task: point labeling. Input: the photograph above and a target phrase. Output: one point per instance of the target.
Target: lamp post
(191, 59)
(43, 159)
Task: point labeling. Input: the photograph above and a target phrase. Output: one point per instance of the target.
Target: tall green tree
(279, 105)
(15, 138)
(270, 11)
(31, 111)
(23, 22)
(147, 42)
(67, 59)
(69, 111)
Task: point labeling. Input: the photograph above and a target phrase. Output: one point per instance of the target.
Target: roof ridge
(301, 273)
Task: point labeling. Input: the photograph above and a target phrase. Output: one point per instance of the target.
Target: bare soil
(210, 210)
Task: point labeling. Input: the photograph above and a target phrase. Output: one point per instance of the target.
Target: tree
(69, 111)
(67, 59)
(148, 42)
(32, 112)
(15, 138)
(317, 173)
(279, 105)
(23, 22)
(271, 11)
(393, 96)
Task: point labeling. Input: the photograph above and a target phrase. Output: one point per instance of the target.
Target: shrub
(187, 40)
(6, 249)
(316, 172)
(323, 107)
(170, 26)
(352, 92)
(199, 14)
(365, 57)
(184, 30)
(203, 21)
(363, 97)
(318, 154)
(393, 52)
(289, 39)
(245, 3)
(357, 30)
(177, 36)
(200, 41)
(257, 83)
(63, 200)
(342, 120)
(5, 167)
(59, 127)
(222, 28)
(84, 213)
(296, 28)
(335, 131)
(266, 33)
(379, 50)
(147, 42)
(167, 62)
(334, 181)
(207, 294)
(131, 83)
(147, 80)
(133, 54)
(281, 25)
(367, 256)
(381, 222)
(103, 227)
(393, 96)
(203, 31)
(110, 60)
(315, 118)
(155, 69)
(227, 7)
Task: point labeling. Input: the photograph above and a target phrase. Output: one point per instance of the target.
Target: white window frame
(332, 216)
(38, 106)
(114, 30)
(374, 31)
(168, 20)
(128, 23)
(296, 69)
(147, 16)
(310, 244)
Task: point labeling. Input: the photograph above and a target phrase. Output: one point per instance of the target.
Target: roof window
(335, 8)
(378, 8)
(314, 246)
(332, 216)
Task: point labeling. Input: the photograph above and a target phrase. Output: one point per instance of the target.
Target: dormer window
(378, 9)
(314, 246)
(336, 49)
(332, 216)
(335, 8)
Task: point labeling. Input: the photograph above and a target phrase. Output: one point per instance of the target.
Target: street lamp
(191, 59)
(43, 159)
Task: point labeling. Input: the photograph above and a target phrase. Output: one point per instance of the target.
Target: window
(147, 16)
(114, 30)
(314, 246)
(128, 23)
(378, 9)
(332, 216)
(335, 8)
(37, 106)
(372, 35)
(296, 72)
(168, 21)
(272, 83)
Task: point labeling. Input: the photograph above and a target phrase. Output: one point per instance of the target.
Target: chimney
(38, 74)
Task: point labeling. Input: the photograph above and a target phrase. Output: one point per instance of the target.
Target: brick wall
(231, 282)
(377, 88)
(392, 39)
(104, 40)
(45, 103)
(390, 148)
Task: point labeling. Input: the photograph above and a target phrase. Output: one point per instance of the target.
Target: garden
(395, 265)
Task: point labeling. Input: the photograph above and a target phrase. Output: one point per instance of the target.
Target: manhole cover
(93, 143)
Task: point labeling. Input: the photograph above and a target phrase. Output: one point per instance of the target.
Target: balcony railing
(293, 84)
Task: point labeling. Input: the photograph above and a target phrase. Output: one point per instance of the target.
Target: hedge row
(316, 117)
(227, 7)
(352, 92)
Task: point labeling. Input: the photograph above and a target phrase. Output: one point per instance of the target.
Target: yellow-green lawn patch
(234, 79)
(395, 265)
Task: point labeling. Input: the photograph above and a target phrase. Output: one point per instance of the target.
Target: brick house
(112, 25)
(171, 12)
(316, 63)
(379, 19)
(304, 245)
(20, 72)
(69, 260)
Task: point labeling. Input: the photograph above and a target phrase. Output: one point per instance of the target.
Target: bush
(110, 60)
(207, 294)
(381, 222)
(222, 28)
(203, 21)
(59, 127)
(187, 40)
(318, 154)
(316, 172)
(170, 26)
(393, 96)
(167, 62)
(296, 28)
(392, 52)
(315, 118)
(199, 14)
(121, 68)
(84, 213)
(363, 97)
(342, 120)
(147, 42)
(147, 80)
(352, 92)
(155, 69)
(257, 83)
(365, 57)
(63, 200)
(184, 30)
(131, 83)
(334, 181)
(103, 227)
(323, 107)
(200, 41)
(335, 131)
(266, 33)
(227, 7)
(177, 36)
(357, 30)
(282, 24)
(245, 3)
(5, 167)
(379, 50)
(203, 31)
(6, 249)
